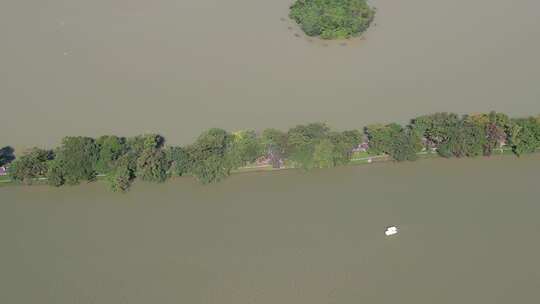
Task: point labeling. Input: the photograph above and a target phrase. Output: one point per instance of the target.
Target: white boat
(391, 230)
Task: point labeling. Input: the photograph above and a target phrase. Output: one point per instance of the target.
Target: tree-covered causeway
(216, 152)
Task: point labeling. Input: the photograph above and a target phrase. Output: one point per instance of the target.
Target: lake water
(468, 228)
(468, 234)
(74, 67)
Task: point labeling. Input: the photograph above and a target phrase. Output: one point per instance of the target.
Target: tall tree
(152, 165)
(76, 159)
(406, 145)
(274, 140)
(6, 155)
(138, 144)
(178, 158)
(381, 137)
(110, 149)
(274, 143)
(324, 154)
(524, 135)
(31, 164)
(246, 147)
(55, 173)
(466, 139)
(123, 173)
(436, 128)
(496, 126)
(210, 159)
(392, 139)
(301, 143)
(344, 142)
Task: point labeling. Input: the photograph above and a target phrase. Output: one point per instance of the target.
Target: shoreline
(6, 181)
(218, 153)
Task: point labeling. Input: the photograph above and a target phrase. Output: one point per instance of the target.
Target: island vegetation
(332, 19)
(216, 153)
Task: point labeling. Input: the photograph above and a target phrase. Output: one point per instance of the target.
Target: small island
(332, 19)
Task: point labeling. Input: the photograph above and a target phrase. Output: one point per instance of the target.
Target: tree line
(216, 152)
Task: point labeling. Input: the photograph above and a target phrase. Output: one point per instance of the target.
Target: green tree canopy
(381, 137)
(6, 155)
(392, 139)
(524, 135)
(332, 19)
(467, 138)
(178, 159)
(123, 173)
(76, 159)
(110, 149)
(246, 147)
(138, 144)
(301, 143)
(496, 127)
(343, 143)
(31, 164)
(55, 173)
(436, 128)
(274, 142)
(152, 165)
(216, 152)
(406, 145)
(324, 154)
(210, 159)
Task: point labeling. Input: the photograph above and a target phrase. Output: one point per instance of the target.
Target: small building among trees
(3, 171)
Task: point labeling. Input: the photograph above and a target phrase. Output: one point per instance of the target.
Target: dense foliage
(342, 145)
(178, 159)
(466, 136)
(274, 142)
(525, 135)
(152, 165)
(302, 142)
(123, 173)
(393, 139)
(210, 157)
(6, 155)
(110, 149)
(332, 19)
(75, 160)
(32, 164)
(216, 152)
(246, 148)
